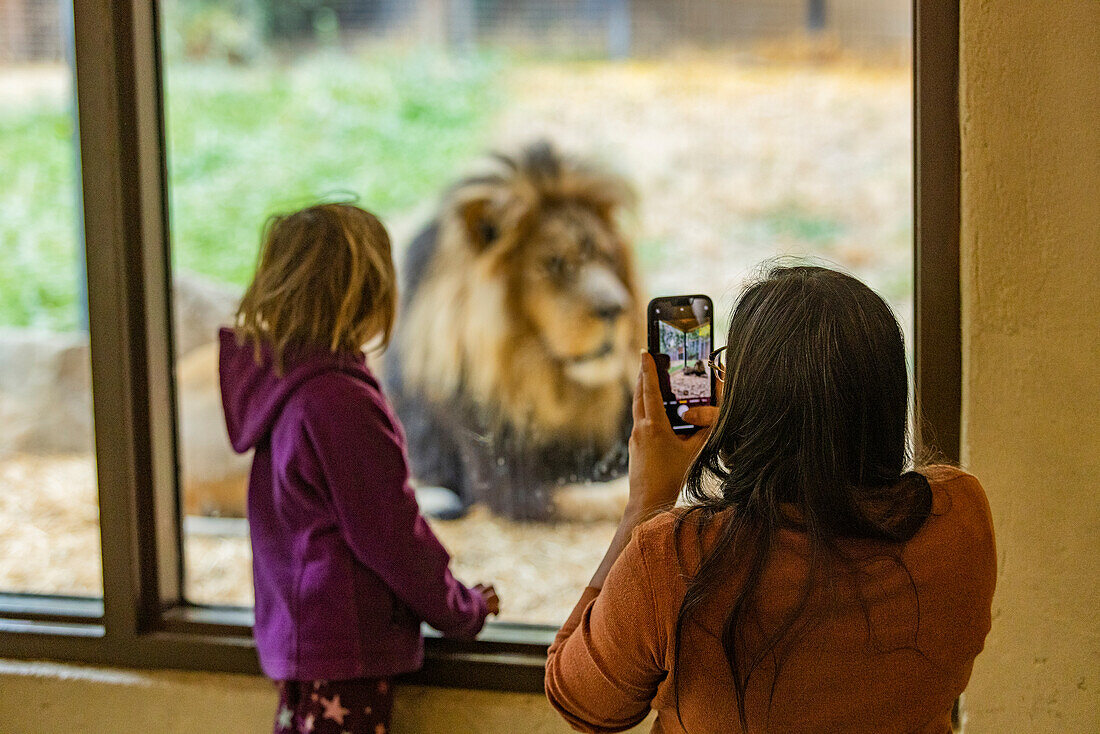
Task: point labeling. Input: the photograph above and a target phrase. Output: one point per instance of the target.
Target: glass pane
(746, 130)
(49, 511)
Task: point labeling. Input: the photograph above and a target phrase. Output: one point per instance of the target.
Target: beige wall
(1031, 350)
(45, 697)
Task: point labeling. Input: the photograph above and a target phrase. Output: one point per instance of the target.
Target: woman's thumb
(703, 415)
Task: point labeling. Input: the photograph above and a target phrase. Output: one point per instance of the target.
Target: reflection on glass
(49, 513)
(710, 136)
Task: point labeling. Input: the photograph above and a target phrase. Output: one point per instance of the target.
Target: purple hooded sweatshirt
(345, 567)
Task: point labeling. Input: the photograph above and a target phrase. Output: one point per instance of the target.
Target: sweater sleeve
(606, 662)
(361, 455)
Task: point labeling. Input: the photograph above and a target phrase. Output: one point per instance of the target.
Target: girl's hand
(489, 594)
(659, 459)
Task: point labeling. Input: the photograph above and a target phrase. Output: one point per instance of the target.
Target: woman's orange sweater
(888, 649)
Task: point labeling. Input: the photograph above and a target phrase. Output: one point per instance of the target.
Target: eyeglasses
(717, 363)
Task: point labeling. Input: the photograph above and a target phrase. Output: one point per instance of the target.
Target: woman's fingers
(638, 406)
(651, 389)
(702, 415)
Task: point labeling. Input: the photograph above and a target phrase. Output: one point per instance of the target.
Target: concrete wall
(1031, 346)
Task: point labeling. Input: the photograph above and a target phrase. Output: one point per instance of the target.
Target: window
(739, 145)
(744, 134)
(49, 512)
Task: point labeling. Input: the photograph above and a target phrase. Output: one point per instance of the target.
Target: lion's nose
(608, 311)
(606, 296)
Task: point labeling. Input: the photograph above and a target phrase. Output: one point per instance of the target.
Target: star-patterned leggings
(357, 706)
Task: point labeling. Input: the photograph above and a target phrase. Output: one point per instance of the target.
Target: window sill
(505, 657)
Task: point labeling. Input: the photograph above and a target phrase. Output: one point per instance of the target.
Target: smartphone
(681, 338)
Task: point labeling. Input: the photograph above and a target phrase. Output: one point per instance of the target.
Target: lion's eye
(488, 232)
(556, 265)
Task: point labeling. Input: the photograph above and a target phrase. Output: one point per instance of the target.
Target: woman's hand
(659, 458)
(489, 594)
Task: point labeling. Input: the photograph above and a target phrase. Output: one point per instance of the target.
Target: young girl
(345, 568)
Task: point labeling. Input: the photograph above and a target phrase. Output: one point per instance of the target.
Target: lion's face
(576, 292)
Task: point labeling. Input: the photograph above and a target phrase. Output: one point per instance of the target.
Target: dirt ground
(690, 386)
(49, 525)
(724, 181)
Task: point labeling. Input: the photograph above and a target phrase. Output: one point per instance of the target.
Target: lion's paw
(592, 502)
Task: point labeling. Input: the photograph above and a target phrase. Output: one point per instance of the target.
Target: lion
(696, 369)
(512, 363)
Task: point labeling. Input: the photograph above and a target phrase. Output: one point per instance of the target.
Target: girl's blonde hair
(325, 276)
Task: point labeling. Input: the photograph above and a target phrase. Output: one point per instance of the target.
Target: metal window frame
(936, 225)
(142, 620)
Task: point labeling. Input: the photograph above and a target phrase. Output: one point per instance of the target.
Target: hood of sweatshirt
(253, 395)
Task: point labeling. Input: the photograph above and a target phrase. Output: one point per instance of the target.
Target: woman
(810, 583)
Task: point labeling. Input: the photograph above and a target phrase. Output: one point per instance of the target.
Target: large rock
(45, 386)
(200, 307)
(45, 392)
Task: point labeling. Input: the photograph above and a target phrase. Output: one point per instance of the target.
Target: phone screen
(681, 340)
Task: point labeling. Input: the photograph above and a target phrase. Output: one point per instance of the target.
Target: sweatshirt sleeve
(361, 455)
(607, 660)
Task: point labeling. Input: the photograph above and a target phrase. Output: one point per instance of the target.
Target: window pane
(49, 512)
(747, 130)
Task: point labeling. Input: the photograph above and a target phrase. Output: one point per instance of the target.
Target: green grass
(244, 144)
(794, 222)
(389, 129)
(651, 252)
(40, 271)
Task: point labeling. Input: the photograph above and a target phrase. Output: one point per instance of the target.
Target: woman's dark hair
(812, 432)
